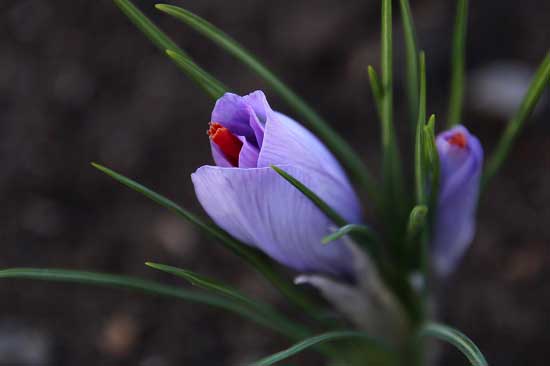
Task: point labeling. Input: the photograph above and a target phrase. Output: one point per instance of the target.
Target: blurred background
(78, 83)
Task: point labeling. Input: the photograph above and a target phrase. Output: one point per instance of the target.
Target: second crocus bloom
(248, 199)
(461, 161)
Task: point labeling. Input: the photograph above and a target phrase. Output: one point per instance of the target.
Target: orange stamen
(458, 139)
(228, 143)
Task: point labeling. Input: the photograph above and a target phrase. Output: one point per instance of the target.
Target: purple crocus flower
(461, 160)
(248, 199)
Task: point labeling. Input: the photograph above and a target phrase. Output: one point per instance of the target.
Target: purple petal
(248, 157)
(286, 142)
(458, 196)
(235, 113)
(260, 208)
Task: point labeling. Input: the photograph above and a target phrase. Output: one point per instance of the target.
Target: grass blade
(132, 283)
(315, 199)
(376, 88)
(391, 169)
(336, 144)
(205, 283)
(211, 86)
(250, 255)
(163, 42)
(417, 220)
(457, 339)
(278, 321)
(419, 157)
(356, 229)
(538, 84)
(458, 64)
(357, 232)
(411, 58)
(326, 337)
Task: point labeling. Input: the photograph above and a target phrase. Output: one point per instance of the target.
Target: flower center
(458, 139)
(228, 143)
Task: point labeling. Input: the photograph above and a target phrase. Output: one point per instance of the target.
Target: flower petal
(286, 142)
(235, 113)
(458, 197)
(260, 208)
(248, 157)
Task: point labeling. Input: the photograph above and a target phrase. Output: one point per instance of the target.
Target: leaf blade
(540, 81)
(277, 320)
(163, 42)
(314, 198)
(458, 64)
(325, 337)
(411, 58)
(456, 338)
(132, 283)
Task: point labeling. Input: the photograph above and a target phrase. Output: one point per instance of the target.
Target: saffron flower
(461, 160)
(248, 199)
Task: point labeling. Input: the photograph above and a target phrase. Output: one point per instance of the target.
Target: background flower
(461, 160)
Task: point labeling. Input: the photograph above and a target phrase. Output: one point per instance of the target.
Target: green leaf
(357, 232)
(317, 201)
(335, 143)
(458, 64)
(540, 82)
(417, 220)
(411, 58)
(250, 255)
(205, 283)
(370, 343)
(419, 157)
(432, 160)
(376, 89)
(362, 230)
(277, 320)
(457, 339)
(162, 41)
(132, 283)
(391, 166)
(211, 86)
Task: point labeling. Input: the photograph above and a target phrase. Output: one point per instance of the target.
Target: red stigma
(228, 143)
(458, 139)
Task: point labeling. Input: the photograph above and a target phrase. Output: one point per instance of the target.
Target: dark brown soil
(78, 83)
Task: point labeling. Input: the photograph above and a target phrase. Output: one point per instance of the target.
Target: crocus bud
(461, 160)
(248, 199)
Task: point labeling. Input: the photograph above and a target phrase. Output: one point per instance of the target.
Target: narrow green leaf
(411, 58)
(391, 169)
(417, 220)
(356, 229)
(277, 320)
(162, 41)
(132, 283)
(370, 343)
(457, 339)
(458, 64)
(357, 233)
(205, 283)
(432, 161)
(211, 86)
(376, 89)
(317, 201)
(540, 82)
(419, 166)
(335, 142)
(151, 31)
(250, 255)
